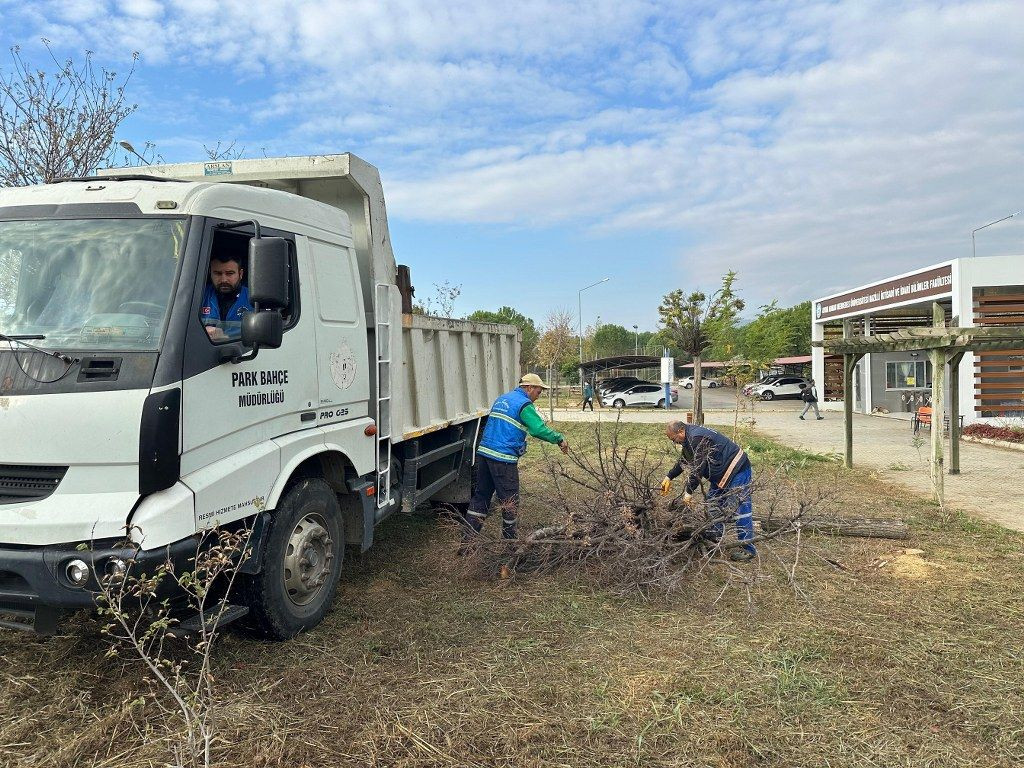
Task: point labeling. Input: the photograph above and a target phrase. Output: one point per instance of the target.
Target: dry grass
(421, 666)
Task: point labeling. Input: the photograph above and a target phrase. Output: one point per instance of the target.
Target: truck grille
(24, 482)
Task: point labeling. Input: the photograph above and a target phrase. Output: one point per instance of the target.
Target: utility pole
(579, 298)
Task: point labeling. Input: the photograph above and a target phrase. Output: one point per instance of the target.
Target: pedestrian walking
(588, 396)
(809, 395)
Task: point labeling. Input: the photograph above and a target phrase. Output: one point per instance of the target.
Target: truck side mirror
(262, 329)
(268, 272)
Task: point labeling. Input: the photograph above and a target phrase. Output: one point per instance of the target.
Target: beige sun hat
(533, 380)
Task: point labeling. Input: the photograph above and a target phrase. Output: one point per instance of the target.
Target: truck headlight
(116, 568)
(77, 572)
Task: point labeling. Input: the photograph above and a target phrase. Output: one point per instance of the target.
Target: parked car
(784, 386)
(645, 393)
(617, 384)
(748, 389)
(710, 382)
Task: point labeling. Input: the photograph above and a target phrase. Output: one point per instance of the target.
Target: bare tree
(140, 625)
(556, 340)
(442, 303)
(226, 152)
(60, 124)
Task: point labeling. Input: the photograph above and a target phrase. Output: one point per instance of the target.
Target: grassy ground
(917, 662)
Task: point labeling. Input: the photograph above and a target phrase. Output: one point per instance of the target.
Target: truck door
(232, 411)
(341, 349)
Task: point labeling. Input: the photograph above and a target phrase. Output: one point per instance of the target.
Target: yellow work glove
(688, 499)
(666, 486)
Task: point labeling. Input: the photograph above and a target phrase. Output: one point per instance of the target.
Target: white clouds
(806, 143)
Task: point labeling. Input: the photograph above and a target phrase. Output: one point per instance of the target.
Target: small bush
(992, 432)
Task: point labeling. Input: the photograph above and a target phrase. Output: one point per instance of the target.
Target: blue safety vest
(210, 310)
(505, 434)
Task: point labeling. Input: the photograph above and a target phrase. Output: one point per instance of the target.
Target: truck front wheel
(302, 561)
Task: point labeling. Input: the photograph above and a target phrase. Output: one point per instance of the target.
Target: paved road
(990, 486)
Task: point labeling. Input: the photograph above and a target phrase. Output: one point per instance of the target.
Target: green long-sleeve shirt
(536, 427)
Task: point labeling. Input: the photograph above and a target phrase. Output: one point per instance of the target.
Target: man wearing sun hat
(513, 416)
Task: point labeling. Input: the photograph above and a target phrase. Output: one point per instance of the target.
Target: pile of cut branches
(611, 524)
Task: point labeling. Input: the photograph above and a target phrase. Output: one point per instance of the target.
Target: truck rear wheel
(305, 547)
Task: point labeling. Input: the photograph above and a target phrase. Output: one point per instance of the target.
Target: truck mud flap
(42, 620)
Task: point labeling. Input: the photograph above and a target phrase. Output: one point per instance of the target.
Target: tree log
(867, 527)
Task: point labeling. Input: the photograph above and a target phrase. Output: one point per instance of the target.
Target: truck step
(194, 624)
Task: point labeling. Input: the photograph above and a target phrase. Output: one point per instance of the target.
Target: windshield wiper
(20, 339)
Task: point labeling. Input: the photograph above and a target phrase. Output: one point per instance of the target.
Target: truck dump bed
(451, 371)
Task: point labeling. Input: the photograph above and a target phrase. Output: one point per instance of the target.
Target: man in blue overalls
(712, 456)
(225, 300)
(512, 417)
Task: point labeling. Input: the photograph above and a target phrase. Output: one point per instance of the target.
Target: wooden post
(938, 360)
(848, 363)
(954, 413)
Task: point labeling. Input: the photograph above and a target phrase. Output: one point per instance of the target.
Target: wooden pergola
(946, 345)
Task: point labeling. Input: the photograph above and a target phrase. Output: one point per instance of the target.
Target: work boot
(471, 527)
(741, 555)
(820, 418)
(801, 418)
(509, 528)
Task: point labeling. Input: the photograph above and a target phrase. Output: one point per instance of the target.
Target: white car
(784, 386)
(748, 389)
(639, 394)
(705, 381)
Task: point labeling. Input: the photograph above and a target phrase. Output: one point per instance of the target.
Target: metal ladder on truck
(382, 337)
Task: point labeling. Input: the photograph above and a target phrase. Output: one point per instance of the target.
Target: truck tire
(302, 559)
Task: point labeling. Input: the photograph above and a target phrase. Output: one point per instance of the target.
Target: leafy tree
(645, 342)
(60, 124)
(510, 316)
(787, 331)
(695, 322)
(611, 340)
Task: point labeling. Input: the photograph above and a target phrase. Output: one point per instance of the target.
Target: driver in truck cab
(225, 300)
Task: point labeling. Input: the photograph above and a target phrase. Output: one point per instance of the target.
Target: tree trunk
(551, 385)
(698, 392)
(866, 527)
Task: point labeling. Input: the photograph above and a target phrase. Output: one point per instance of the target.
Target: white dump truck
(130, 422)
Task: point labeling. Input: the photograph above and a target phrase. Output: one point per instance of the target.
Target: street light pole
(974, 252)
(127, 147)
(579, 298)
(636, 341)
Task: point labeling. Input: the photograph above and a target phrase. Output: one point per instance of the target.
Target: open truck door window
(225, 297)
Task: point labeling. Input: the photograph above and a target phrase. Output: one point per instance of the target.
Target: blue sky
(529, 149)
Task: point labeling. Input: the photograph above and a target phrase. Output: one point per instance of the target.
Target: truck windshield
(88, 283)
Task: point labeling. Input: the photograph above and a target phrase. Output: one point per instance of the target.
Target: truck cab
(179, 353)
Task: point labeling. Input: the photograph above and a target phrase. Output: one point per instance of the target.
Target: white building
(987, 291)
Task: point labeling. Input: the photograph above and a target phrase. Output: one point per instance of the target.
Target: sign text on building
(931, 282)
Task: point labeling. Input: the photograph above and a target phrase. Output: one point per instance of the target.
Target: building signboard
(921, 285)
